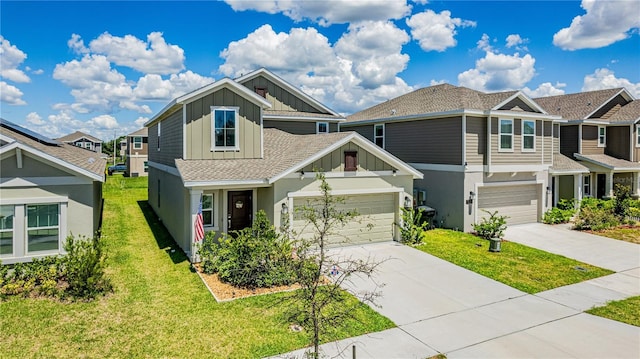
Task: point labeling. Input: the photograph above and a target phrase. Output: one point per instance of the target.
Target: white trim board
(346, 192)
(43, 181)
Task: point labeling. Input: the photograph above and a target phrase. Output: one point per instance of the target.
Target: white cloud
(546, 89)
(499, 72)
(514, 40)
(65, 122)
(34, 119)
(604, 23)
(11, 94)
(154, 87)
(359, 71)
(436, 31)
(140, 121)
(326, 13)
(76, 44)
(10, 58)
(605, 78)
(485, 43)
(104, 122)
(154, 56)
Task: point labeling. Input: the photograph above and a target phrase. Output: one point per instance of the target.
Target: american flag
(199, 225)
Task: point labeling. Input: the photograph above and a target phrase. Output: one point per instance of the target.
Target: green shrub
(596, 219)
(208, 253)
(412, 227)
(622, 201)
(84, 267)
(562, 213)
(492, 226)
(252, 258)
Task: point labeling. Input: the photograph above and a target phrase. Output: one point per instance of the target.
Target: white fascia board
(420, 116)
(518, 114)
(516, 168)
(226, 184)
(604, 165)
(302, 118)
(81, 171)
(280, 81)
(345, 192)
(622, 92)
(567, 172)
(526, 99)
(7, 138)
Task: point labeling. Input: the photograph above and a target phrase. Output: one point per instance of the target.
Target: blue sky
(107, 67)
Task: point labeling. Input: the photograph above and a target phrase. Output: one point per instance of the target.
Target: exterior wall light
(285, 208)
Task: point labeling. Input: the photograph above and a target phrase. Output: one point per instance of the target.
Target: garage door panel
(518, 202)
(374, 223)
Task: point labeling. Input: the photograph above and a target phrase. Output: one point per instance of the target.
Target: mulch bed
(224, 292)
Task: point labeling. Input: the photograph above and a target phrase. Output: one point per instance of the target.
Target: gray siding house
(477, 151)
(137, 153)
(83, 140)
(48, 190)
(253, 143)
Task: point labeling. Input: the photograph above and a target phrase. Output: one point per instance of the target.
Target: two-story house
(599, 129)
(477, 151)
(83, 140)
(137, 153)
(48, 190)
(255, 143)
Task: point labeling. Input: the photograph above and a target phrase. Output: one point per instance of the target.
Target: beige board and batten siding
(199, 127)
(334, 161)
(517, 156)
(476, 138)
(519, 202)
(437, 141)
(590, 141)
(280, 98)
(299, 127)
(170, 139)
(618, 142)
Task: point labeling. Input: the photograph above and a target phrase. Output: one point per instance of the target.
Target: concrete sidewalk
(442, 308)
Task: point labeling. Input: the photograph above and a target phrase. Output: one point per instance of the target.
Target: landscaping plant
(492, 226)
(84, 266)
(412, 227)
(562, 213)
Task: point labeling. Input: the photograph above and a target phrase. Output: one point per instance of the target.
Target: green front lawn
(160, 307)
(625, 311)
(524, 268)
(627, 234)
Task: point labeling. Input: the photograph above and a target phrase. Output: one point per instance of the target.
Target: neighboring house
(123, 148)
(478, 151)
(599, 129)
(137, 153)
(211, 147)
(81, 139)
(48, 190)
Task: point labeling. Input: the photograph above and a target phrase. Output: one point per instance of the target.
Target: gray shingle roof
(438, 98)
(628, 112)
(564, 164)
(300, 114)
(576, 106)
(87, 160)
(141, 132)
(282, 151)
(77, 135)
(610, 162)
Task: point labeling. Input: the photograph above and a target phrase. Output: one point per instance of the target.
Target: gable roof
(616, 164)
(440, 98)
(284, 153)
(84, 162)
(565, 165)
(578, 106)
(289, 87)
(205, 90)
(72, 137)
(627, 113)
(144, 132)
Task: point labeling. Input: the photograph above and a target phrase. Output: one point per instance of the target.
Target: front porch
(606, 172)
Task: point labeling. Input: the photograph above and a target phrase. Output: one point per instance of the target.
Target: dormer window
(262, 91)
(505, 135)
(225, 133)
(322, 127)
(602, 136)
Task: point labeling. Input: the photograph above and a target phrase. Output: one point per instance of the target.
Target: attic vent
(91, 160)
(558, 109)
(588, 103)
(393, 112)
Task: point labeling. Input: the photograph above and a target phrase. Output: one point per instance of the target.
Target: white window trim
(214, 207)
(637, 135)
(13, 234)
(159, 123)
(604, 144)
(236, 128)
(136, 146)
(318, 127)
(500, 133)
(523, 135)
(375, 137)
(586, 184)
(62, 215)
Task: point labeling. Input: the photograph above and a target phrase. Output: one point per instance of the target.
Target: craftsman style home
(82, 140)
(599, 129)
(137, 153)
(253, 143)
(48, 190)
(477, 151)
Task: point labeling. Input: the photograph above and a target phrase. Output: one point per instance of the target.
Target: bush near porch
(599, 214)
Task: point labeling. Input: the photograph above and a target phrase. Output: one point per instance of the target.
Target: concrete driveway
(442, 308)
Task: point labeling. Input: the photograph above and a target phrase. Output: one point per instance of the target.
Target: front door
(602, 182)
(239, 210)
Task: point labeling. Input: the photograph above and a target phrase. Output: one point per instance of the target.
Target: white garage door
(374, 223)
(519, 203)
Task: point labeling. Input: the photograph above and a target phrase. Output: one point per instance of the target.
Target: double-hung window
(505, 135)
(602, 136)
(6, 229)
(137, 143)
(43, 227)
(637, 135)
(225, 128)
(322, 127)
(528, 135)
(207, 210)
(378, 135)
(586, 186)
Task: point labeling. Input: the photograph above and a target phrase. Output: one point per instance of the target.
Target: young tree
(321, 304)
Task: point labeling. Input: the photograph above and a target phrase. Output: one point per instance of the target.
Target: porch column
(577, 188)
(194, 203)
(636, 184)
(609, 185)
(555, 186)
